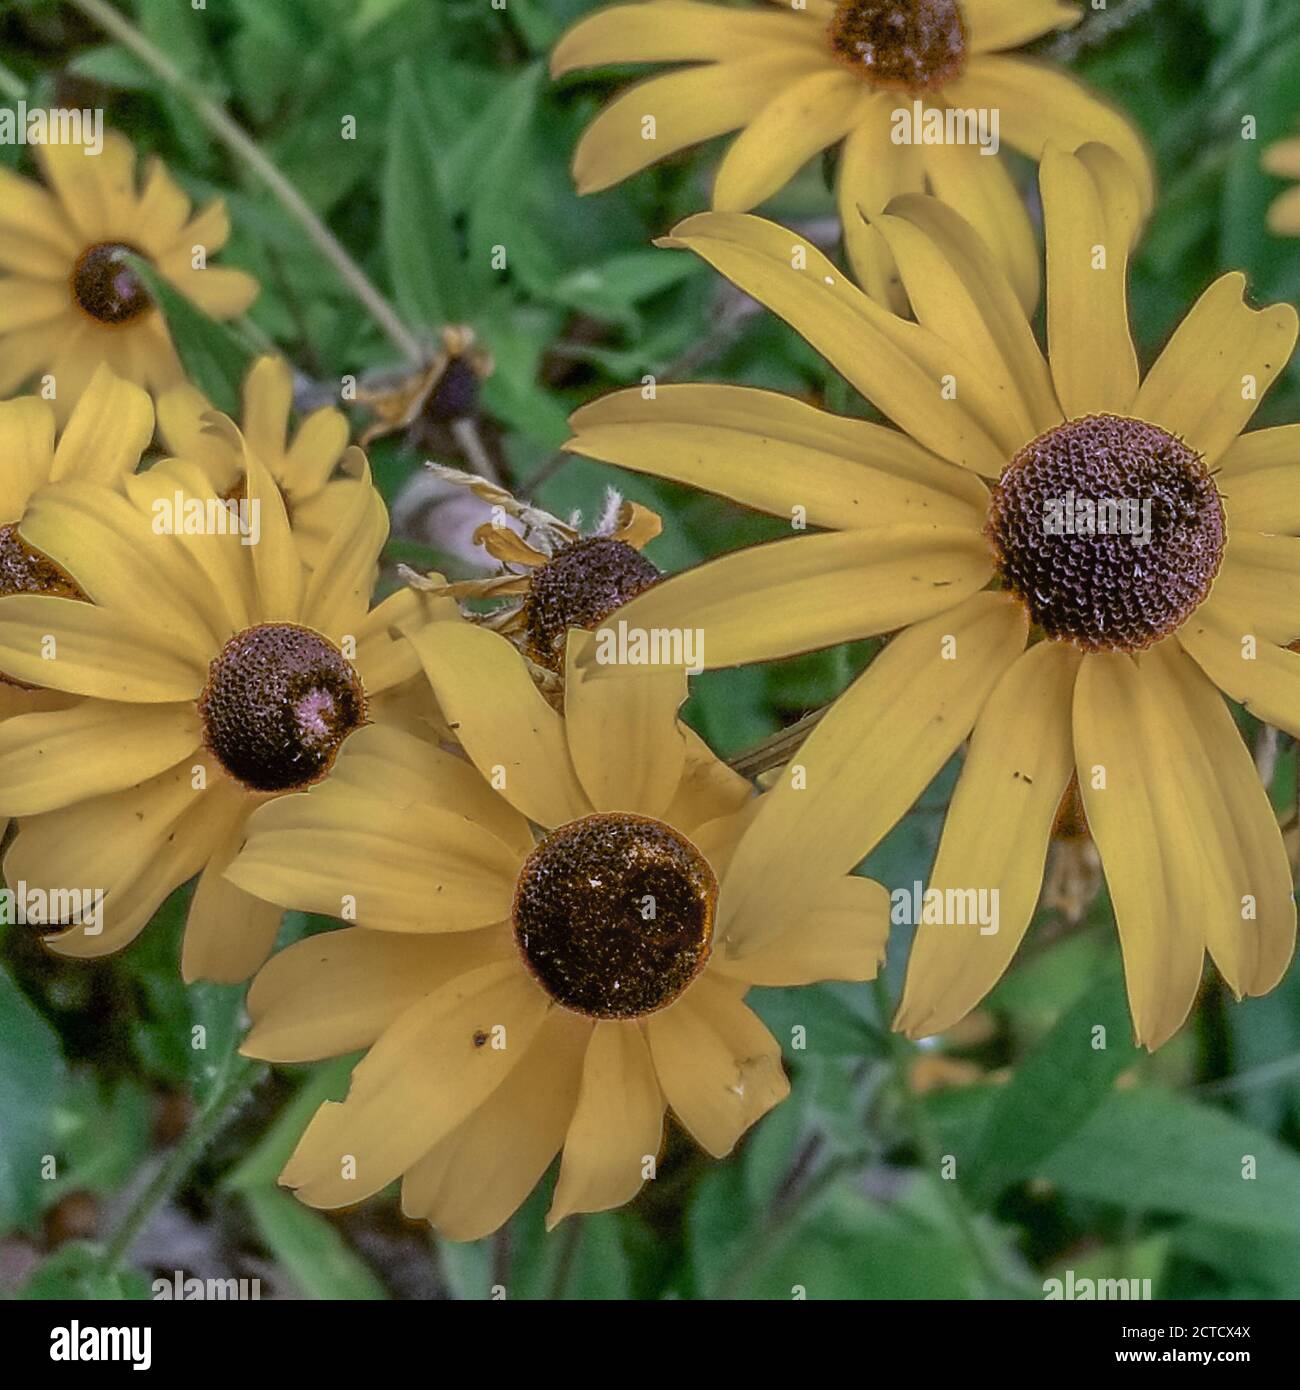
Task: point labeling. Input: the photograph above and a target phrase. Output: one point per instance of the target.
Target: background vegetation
(1130, 1167)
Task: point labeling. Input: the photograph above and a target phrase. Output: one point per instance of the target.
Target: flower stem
(178, 1164)
(219, 122)
(1001, 1282)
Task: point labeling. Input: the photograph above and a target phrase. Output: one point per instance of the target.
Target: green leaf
(1056, 1089)
(33, 1080)
(1150, 1150)
(424, 260)
(311, 1251)
(211, 354)
(73, 1271)
(216, 1013)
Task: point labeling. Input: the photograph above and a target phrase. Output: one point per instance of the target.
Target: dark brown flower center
(904, 45)
(1110, 530)
(26, 570)
(105, 286)
(580, 587)
(279, 701)
(614, 914)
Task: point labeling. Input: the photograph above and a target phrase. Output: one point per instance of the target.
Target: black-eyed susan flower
(980, 526)
(305, 467)
(1283, 159)
(102, 442)
(548, 953)
(69, 299)
(910, 90)
(215, 674)
(553, 576)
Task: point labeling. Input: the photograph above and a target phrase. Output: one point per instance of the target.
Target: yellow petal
(617, 1125)
(866, 762)
(796, 595)
(776, 453)
(670, 31)
(1260, 578)
(228, 933)
(1245, 665)
(978, 186)
(899, 366)
(338, 589)
(267, 401)
(841, 935)
(337, 992)
(50, 759)
(1233, 844)
(995, 839)
(336, 851)
(708, 789)
(1260, 482)
(501, 720)
(137, 846)
(277, 564)
(1039, 103)
(109, 428)
(93, 652)
(27, 438)
(801, 120)
(686, 107)
(872, 170)
(1092, 214)
(997, 24)
(960, 292)
(719, 1067)
(1224, 356)
(1154, 869)
(109, 547)
(473, 1180)
(426, 1075)
(627, 747)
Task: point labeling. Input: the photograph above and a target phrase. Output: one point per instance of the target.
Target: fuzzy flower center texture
(613, 915)
(1109, 530)
(279, 701)
(909, 46)
(580, 587)
(106, 288)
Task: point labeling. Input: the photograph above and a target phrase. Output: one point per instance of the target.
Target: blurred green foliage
(461, 146)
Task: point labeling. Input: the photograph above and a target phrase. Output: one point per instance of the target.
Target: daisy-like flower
(110, 426)
(69, 301)
(1283, 159)
(849, 73)
(553, 576)
(216, 675)
(977, 527)
(547, 954)
(305, 467)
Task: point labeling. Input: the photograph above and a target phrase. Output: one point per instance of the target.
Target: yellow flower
(305, 469)
(67, 300)
(519, 996)
(798, 83)
(1283, 159)
(553, 577)
(216, 674)
(108, 429)
(1189, 580)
